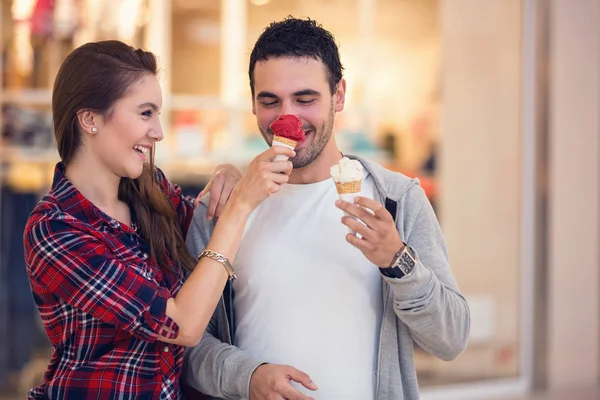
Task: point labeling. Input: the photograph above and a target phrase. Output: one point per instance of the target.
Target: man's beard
(319, 140)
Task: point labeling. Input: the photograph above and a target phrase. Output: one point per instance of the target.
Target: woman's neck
(95, 181)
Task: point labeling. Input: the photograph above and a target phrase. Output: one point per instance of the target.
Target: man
(311, 301)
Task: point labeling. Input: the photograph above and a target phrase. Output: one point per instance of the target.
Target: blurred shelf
(36, 97)
(31, 170)
(43, 97)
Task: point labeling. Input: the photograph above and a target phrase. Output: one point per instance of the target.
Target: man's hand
(380, 239)
(272, 382)
(220, 186)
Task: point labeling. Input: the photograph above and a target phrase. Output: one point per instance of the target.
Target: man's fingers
(377, 208)
(362, 229)
(302, 378)
(282, 166)
(280, 179)
(359, 212)
(273, 151)
(361, 244)
(291, 393)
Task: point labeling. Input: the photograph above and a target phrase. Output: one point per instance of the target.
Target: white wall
(480, 170)
(574, 237)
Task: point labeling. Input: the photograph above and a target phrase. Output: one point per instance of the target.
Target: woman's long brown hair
(94, 77)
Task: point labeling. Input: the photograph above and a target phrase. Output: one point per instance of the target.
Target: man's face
(298, 86)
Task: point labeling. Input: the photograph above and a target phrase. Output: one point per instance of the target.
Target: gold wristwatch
(221, 259)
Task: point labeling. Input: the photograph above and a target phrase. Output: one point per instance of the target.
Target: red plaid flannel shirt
(102, 301)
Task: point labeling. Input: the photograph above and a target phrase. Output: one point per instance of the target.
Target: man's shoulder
(200, 224)
(202, 207)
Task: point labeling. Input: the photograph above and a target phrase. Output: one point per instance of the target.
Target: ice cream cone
(285, 142)
(347, 175)
(347, 192)
(287, 130)
(348, 187)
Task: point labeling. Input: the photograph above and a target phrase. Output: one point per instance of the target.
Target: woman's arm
(219, 186)
(193, 306)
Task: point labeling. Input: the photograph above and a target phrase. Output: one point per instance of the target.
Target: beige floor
(578, 395)
(570, 394)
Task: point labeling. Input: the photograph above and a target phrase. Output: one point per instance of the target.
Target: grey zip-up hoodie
(425, 307)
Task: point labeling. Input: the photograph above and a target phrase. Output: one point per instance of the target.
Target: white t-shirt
(307, 298)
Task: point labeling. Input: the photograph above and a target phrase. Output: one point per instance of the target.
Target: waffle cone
(285, 140)
(348, 187)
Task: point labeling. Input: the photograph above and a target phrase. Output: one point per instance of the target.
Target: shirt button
(166, 349)
(144, 256)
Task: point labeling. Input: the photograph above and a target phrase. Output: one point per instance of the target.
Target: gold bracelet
(213, 255)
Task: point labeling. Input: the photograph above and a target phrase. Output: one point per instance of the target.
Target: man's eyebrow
(263, 95)
(307, 92)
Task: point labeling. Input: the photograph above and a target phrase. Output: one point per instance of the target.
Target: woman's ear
(88, 121)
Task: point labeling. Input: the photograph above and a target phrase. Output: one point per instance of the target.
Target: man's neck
(318, 170)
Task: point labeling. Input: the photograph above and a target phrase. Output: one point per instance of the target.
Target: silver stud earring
(94, 129)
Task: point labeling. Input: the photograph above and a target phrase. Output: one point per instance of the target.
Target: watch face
(406, 263)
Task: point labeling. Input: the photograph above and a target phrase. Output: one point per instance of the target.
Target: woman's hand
(220, 186)
(263, 178)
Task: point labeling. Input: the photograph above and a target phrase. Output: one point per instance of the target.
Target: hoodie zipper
(226, 319)
(385, 291)
(385, 296)
(228, 315)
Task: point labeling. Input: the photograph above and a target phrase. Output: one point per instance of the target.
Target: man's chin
(300, 162)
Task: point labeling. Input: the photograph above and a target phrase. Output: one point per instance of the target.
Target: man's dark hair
(294, 37)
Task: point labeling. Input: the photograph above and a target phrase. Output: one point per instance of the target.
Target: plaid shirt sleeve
(184, 205)
(66, 257)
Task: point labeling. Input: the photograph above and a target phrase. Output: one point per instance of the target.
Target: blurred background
(493, 104)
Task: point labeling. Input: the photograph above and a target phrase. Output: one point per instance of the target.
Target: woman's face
(125, 138)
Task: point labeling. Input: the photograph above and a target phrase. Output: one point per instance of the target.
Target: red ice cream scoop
(289, 127)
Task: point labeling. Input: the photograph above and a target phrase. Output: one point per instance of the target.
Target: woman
(105, 248)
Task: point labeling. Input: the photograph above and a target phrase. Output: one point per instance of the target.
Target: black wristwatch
(403, 265)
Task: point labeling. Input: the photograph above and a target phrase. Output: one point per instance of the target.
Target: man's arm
(218, 369)
(429, 301)
(213, 367)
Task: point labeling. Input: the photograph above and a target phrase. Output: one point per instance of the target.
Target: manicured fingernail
(338, 203)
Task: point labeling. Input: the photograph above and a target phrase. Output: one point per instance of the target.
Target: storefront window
(418, 76)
